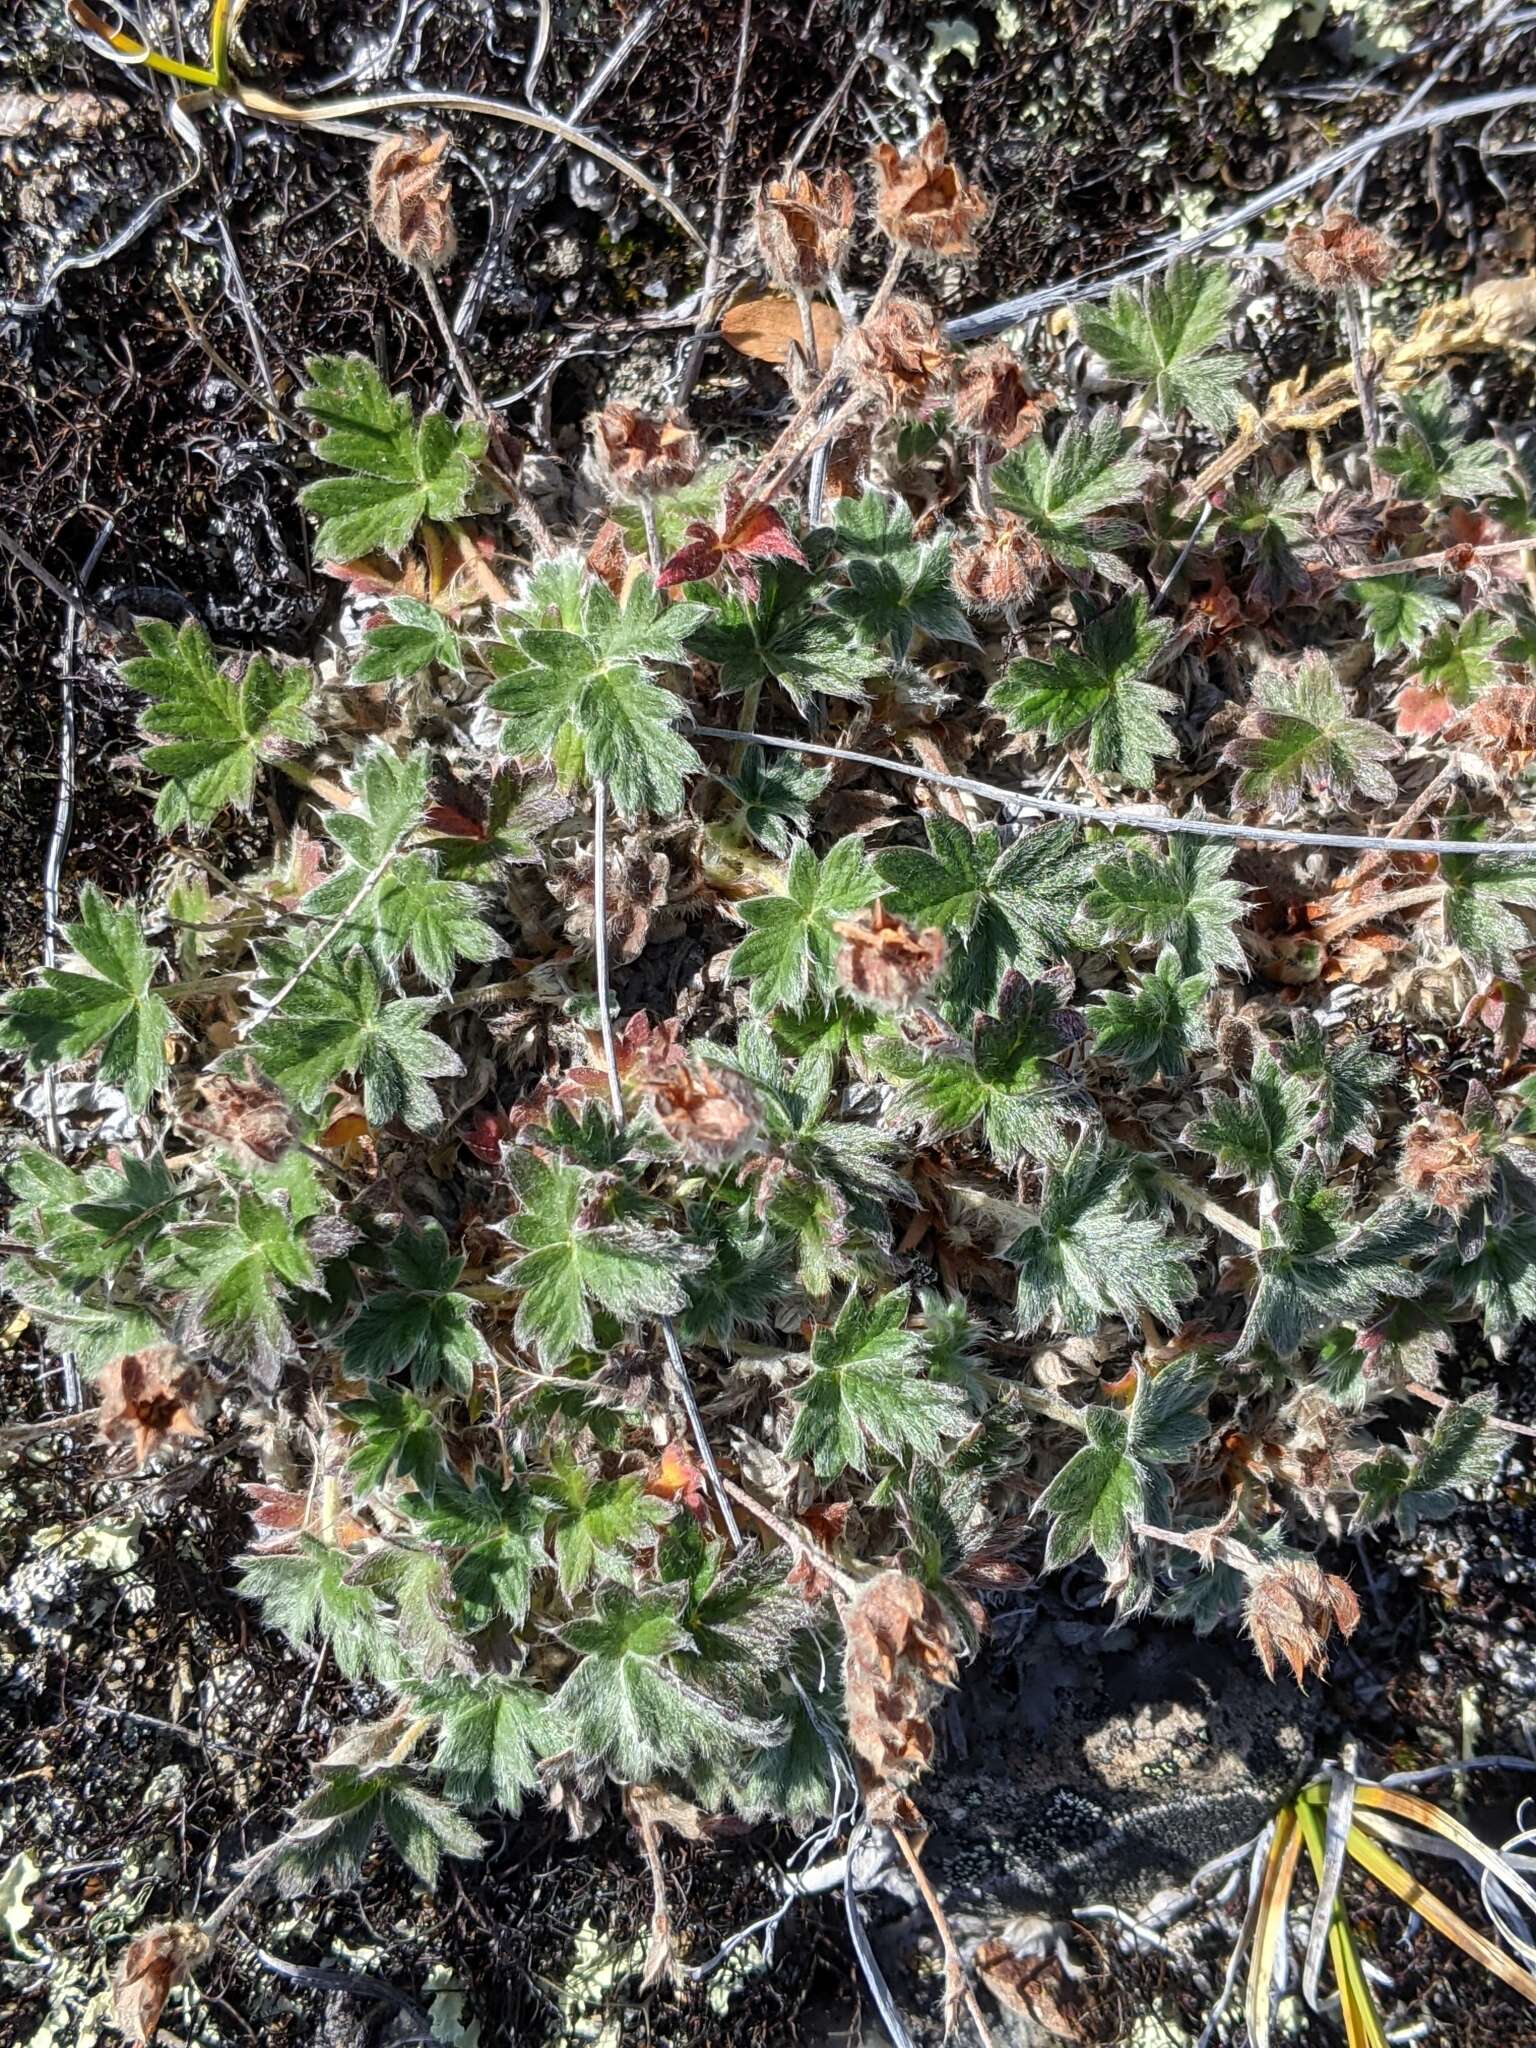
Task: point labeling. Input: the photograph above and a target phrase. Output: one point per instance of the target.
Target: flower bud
(993, 401)
(1002, 567)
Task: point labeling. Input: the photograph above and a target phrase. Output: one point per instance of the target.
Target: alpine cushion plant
(622, 1381)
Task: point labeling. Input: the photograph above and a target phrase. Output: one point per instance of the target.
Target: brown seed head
(802, 228)
(885, 962)
(1500, 724)
(149, 1969)
(1444, 1163)
(640, 455)
(901, 357)
(710, 1114)
(898, 1656)
(993, 400)
(1341, 253)
(248, 1116)
(410, 201)
(149, 1396)
(1002, 567)
(1290, 1610)
(921, 201)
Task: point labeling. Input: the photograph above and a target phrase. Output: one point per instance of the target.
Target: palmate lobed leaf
(218, 728)
(1431, 456)
(396, 903)
(791, 951)
(1005, 1080)
(1181, 898)
(580, 695)
(112, 1005)
(1299, 739)
(897, 586)
(571, 1266)
(1400, 610)
(1061, 494)
(422, 1325)
(1152, 1030)
(1090, 1254)
(1166, 336)
(866, 1392)
(403, 472)
(335, 1021)
(782, 636)
(997, 907)
(1103, 688)
(1484, 896)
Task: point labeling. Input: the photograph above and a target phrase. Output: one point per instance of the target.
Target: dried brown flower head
(708, 1112)
(899, 1656)
(1341, 253)
(1444, 1162)
(802, 228)
(147, 1972)
(1291, 1608)
(640, 455)
(638, 886)
(410, 202)
(902, 358)
(1002, 567)
(921, 201)
(1500, 724)
(1344, 526)
(993, 400)
(149, 1396)
(248, 1116)
(885, 962)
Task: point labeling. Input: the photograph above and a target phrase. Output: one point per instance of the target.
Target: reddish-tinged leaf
(449, 823)
(695, 561)
(760, 535)
(749, 533)
(486, 1135)
(1421, 712)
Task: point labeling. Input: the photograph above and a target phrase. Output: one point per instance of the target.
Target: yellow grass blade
(1362, 2022)
(1436, 1821)
(1374, 1860)
(1269, 1927)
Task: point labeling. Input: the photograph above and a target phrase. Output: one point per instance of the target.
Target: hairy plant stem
(981, 476)
(1200, 1204)
(652, 537)
(1380, 906)
(1363, 372)
(795, 1539)
(751, 696)
(678, 1365)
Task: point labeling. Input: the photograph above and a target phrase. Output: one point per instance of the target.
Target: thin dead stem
(1131, 817)
(957, 1989)
(694, 360)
